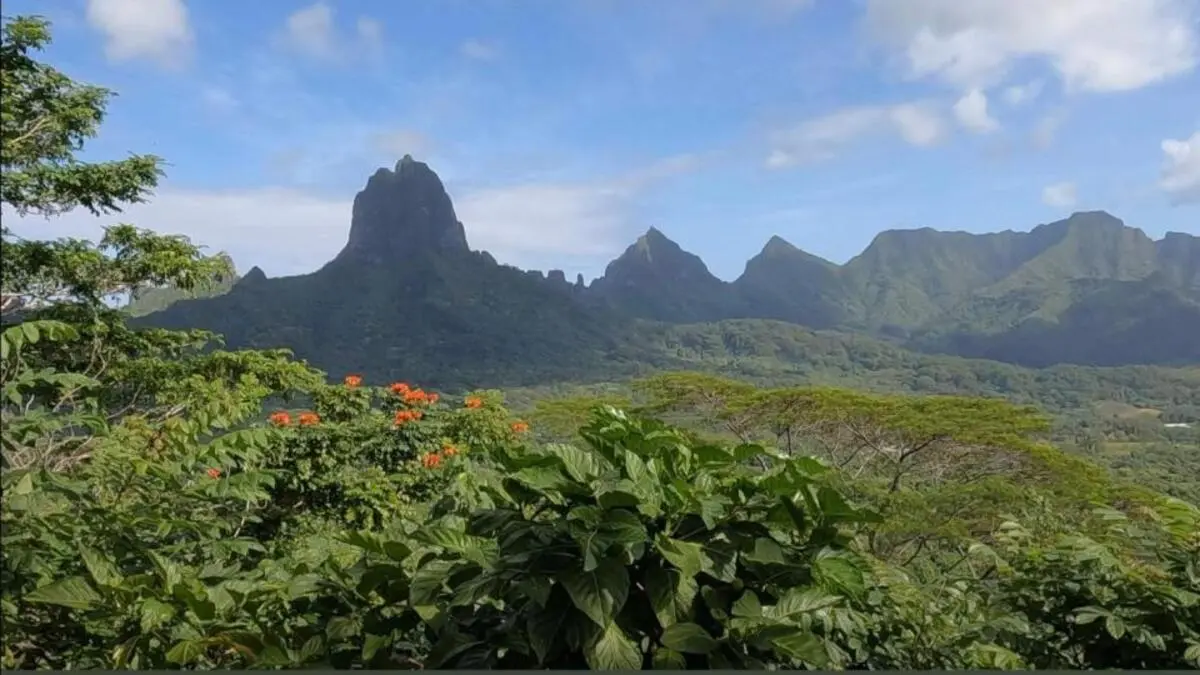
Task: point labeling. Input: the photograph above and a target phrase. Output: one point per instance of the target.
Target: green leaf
(803, 600)
(373, 643)
(73, 592)
(342, 627)
(685, 555)
(688, 638)
(839, 573)
(186, 652)
(101, 569)
(835, 508)
(312, 648)
(600, 593)
(802, 646)
(748, 606)
(24, 486)
(1086, 615)
(671, 594)
(613, 650)
(427, 582)
(581, 465)
(748, 451)
(155, 613)
(1115, 626)
(541, 628)
(668, 659)
(766, 551)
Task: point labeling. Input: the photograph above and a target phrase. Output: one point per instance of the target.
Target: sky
(563, 129)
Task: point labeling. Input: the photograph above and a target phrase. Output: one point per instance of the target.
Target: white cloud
(1094, 45)
(283, 231)
(157, 30)
(1181, 172)
(972, 112)
(822, 138)
(1059, 195)
(525, 222)
(479, 50)
(313, 32)
(1019, 94)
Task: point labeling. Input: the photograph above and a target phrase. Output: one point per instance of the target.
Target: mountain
(656, 279)
(784, 283)
(1096, 292)
(408, 296)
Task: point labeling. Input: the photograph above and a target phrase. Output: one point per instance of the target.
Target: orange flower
(449, 450)
(213, 473)
(433, 398)
(281, 419)
(520, 427)
(353, 381)
(415, 396)
(431, 461)
(473, 402)
(400, 388)
(308, 419)
(403, 416)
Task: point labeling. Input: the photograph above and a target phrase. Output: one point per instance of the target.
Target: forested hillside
(170, 502)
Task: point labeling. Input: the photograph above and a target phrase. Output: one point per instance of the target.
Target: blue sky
(565, 128)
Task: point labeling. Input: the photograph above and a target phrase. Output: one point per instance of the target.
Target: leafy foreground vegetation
(154, 517)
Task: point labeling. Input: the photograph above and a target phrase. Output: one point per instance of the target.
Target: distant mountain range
(408, 294)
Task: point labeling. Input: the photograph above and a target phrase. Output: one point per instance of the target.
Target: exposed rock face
(403, 212)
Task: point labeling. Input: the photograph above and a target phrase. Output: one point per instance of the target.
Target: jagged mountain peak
(255, 275)
(402, 212)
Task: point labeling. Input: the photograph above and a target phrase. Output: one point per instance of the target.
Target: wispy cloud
(157, 30)
(920, 124)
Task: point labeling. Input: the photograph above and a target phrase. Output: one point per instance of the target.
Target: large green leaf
(613, 650)
(671, 594)
(802, 646)
(542, 628)
(155, 613)
(688, 638)
(668, 659)
(73, 592)
(186, 652)
(802, 600)
(101, 569)
(583, 466)
(687, 556)
(600, 593)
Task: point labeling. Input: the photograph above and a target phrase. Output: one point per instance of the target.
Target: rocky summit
(403, 212)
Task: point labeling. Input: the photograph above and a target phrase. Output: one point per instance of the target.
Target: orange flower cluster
(520, 427)
(281, 419)
(433, 460)
(352, 381)
(405, 416)
(413, 396)
(308, 419)
(473, 402)
(214, 473)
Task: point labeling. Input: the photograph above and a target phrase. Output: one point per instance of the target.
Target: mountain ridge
(407, 259)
